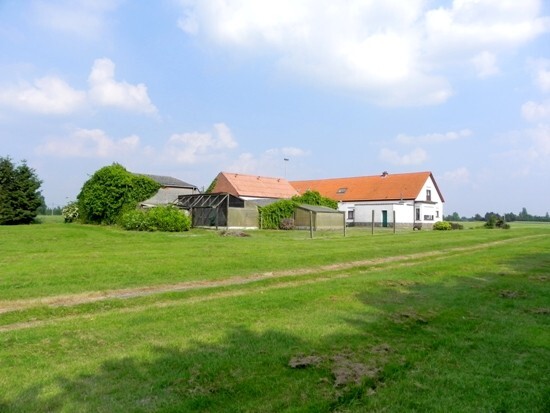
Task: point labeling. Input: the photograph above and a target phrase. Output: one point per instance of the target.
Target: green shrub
(442, 226)
(315, 198)
(161, 218)
(272, 215)
(110, 192)
(456, 225)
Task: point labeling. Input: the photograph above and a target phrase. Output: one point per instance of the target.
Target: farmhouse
(170, 189)
(233, 201)
(235, 198)
(414, 199)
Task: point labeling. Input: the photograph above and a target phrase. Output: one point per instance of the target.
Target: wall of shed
(247, 217)
(321, 220)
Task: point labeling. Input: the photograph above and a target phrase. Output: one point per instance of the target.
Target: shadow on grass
(457, 345)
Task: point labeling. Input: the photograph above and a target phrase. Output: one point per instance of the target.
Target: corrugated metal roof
(369, 188)
(169, 181)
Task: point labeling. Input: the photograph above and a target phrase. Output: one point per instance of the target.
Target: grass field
(96, 319)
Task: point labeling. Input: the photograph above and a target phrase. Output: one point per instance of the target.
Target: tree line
(507, 217)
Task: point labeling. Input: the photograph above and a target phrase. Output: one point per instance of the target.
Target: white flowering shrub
(70, 212)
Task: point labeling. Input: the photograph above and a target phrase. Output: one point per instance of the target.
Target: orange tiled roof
(369, 188)
(253, 186)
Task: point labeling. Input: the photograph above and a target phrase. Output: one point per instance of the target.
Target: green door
(385, 219)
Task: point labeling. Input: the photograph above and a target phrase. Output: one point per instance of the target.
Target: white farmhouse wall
(429, 210)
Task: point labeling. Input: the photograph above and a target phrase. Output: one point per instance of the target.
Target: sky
(299, 89)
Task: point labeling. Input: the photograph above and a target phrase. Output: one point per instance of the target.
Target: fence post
(344, 219)
(394, 225)
(311, 224)
(372, 223)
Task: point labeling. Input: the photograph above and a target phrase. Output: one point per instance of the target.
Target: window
(428, 194)
(351, 214)
(417, 214)
(428, 217)
(437, 214)
(341, 190)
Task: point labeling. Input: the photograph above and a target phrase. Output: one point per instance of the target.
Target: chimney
(384, 174)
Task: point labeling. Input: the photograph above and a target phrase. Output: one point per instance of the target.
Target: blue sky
(189, 88)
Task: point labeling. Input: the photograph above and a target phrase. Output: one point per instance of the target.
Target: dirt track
(90, 297)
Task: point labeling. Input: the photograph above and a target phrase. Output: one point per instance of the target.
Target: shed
(170, 189)
(220, 210)
(318, 217)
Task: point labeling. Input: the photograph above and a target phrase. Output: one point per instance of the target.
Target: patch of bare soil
(408, 316)
(301, 362)
(511, 294)
(541, 311)
(347, 372)
(230, 233)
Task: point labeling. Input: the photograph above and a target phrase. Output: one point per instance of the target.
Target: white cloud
(105, 91)
(47, 95)
(541, 74)
(485, 64)
(533, 111)
(415, 157)
(389, 52)
(195, 147)
(434, 137)
(89, 143)
(458, 176)
(52, 95)
(84, 18)
(269, 163)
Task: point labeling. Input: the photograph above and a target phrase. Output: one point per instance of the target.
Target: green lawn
(414, 321)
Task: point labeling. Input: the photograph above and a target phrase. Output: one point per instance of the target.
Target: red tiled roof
(369, 188)
(253, 186)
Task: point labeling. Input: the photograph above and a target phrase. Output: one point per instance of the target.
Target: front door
(385, 219)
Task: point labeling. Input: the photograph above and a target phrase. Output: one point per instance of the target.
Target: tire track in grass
(371, 264)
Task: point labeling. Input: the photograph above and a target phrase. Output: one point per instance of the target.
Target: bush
(110, 192)
(456, 225)
(161, 218)
(442, 226)
(272, 215)
(70, 212)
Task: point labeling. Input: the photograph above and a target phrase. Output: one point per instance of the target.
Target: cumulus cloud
(89, 143)
(431, 138)
(415, 157)
(84, 18)
(105, 91)
(273, 162)
(457, 176)
(388, 52)
(485, 64)
(52, 95)
(47, 95)
(195, 147)
(540, 69)
(533, 111)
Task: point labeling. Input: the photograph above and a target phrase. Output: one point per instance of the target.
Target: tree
(20, 197)
(110, 192)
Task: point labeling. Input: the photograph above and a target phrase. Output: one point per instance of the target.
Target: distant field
(99, 319)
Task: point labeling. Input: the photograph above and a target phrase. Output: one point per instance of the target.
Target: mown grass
(465, 330)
